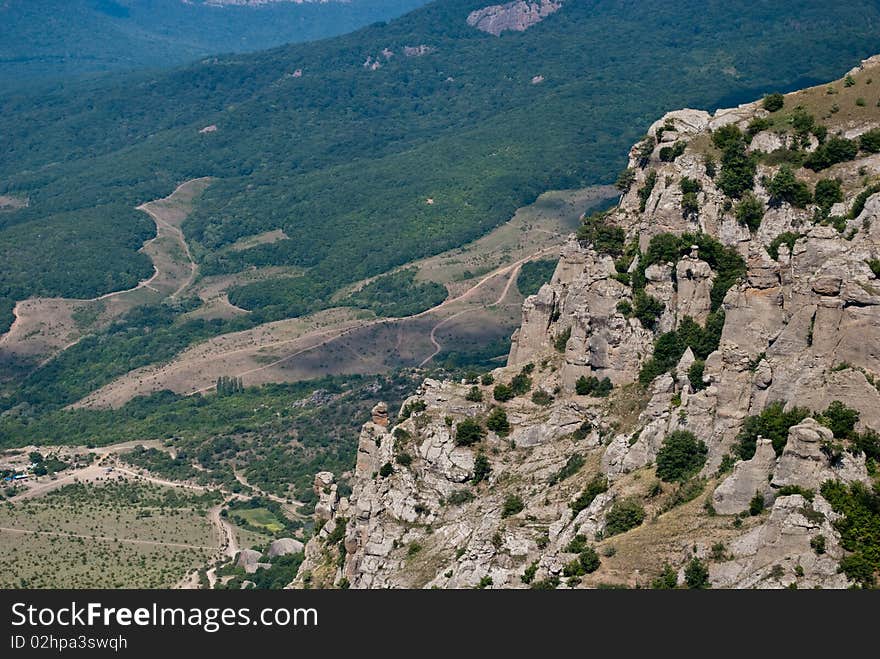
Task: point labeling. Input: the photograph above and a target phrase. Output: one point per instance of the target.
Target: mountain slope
(691, 400)
(344, 158)
(45, 41)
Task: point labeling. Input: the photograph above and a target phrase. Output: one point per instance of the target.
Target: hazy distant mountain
(46, 39)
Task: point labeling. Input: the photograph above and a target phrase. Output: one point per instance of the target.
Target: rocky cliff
(691, 399)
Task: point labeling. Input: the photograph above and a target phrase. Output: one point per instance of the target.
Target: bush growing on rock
(772, 423)
(647, 309)
(870, 141)
(469, 432)
(482, 468)
(750, 212)
(667, 580)
(513, 504)
(840, 419)
(503, 393)
(474, 395)
(594, 488)
(497, 422)
(623, 516)
(592, 386)
(785, 187)
(835, 150)
(681, 456)
(604, 237)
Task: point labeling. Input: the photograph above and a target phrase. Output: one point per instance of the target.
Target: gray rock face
(770, 555)
(801, 327)
(284, 546)
(748, 478)
(249, 559)
(804, 464)
(516, 16)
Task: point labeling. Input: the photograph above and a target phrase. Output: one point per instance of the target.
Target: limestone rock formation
(674, 316)
(518, 16)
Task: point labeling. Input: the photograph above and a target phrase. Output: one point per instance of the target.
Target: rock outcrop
(517, 16)
(669, 312)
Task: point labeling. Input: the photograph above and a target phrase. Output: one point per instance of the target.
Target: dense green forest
(48, 40)
(344, 158)
(535, 274)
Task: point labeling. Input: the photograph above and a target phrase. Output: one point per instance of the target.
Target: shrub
(756, 505)
(474, 395)
(502, 393)
(487, 379)
(670, 153)
(497, 422)
(772, 423)
(625, 307)
(681, 456)
(874, 264)
(592, 386)
(788, 490)
(840, 419)
(482, 468)
(562, 340)
(589, 560)
(727, 136)
(594, 488)
(644, 150)
(750, 211)
(737, 170)
(529, 575)
(835, 150)
(646, 189)
(788, 238)
(625, 180)
(667, 580)
(520, 384)
(773, 102)
(859, 528)
(758, 124)
(403, 459)
(786, 187)
(386, 470)
(710, 165)
(695, 375)
(459, 497)
(623, 516)
(570, 468)
(870, 141)
(828, 193)
(696, 574)
(542, 398)
(512, 505)
(604, 237)
(647, 309)
(469, 432)
(818, 544)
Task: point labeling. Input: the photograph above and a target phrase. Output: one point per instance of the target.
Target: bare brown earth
(44, 327)
(484, 305)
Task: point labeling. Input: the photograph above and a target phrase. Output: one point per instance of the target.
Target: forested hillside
(46, 41)
(467, 124)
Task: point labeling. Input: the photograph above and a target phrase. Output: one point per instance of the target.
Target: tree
(828, 193)
(772, 423)
(482, 468)
(756, 505)
(785, 187)
(737, 170)
(667, 580)
(750, 212)
(625, 180)
(840, 419)
(696, 574)
(474, 395)
(870, 141)
(681, 456)
(647, 309)
(497, 422)
(773, 102)
(469, 432)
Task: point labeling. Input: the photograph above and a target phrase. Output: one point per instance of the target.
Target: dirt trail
(43, 327)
